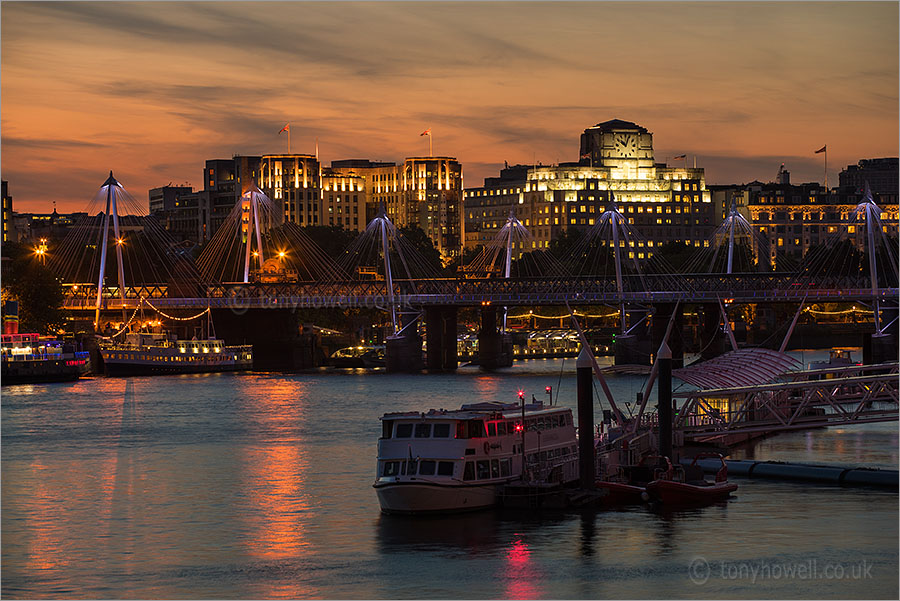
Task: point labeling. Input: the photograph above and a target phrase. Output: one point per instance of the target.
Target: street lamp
(41, 251)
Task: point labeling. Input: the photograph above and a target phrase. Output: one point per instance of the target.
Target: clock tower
(618, 144)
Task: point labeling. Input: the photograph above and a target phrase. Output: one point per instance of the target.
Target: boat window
(469, 471)
(484, 471)
(492, 429)
(495, 468)
(411, 467)
(445, 468)
(386, 428)
(501, 429)
(504, 468)
(404, 430)
(441, 431)
(473, 428)
(426, 467)
(423, 430)
(391, 468)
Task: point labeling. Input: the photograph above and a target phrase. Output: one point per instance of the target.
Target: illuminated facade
(344, 199)
(424, 192)
(292, 181)
(662, 203)
(793, 218)
(7, 213)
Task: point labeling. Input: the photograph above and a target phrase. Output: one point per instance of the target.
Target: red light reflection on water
(520, 572)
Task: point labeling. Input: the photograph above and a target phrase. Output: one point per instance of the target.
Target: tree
(677, 254)
(333, 239)
(423, 245)
(37, 290)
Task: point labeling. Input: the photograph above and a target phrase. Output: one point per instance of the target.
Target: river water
(259, 486)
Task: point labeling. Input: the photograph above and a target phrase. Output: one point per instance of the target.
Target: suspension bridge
(259, 268)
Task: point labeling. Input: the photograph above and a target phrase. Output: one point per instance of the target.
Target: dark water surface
(259, 486)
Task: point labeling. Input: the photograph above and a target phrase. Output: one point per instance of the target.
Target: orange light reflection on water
(273, 485)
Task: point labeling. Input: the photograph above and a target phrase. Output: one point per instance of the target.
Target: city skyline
(152, 93)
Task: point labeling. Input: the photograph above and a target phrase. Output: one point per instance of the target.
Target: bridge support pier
(494, 347)
(403, 353)
(440, 332)
(275, 335)
(660, 321)
(713, 341)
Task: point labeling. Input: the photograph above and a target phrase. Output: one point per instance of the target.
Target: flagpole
(430, 148)
(826, 169)
(289, 139)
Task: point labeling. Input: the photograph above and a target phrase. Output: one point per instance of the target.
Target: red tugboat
(686, 486)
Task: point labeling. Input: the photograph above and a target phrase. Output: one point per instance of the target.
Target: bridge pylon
(112, 188)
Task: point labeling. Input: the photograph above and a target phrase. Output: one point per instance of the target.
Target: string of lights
(172, 317)
(127, 323)
(844, 312)
(576, 313)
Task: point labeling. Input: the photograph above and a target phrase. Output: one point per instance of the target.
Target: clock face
(626, 144)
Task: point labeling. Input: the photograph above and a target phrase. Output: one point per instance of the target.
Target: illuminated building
(662, 203)
(792, 218)
(292, 181)
(344, 193)
(7, 213)
(424, 192)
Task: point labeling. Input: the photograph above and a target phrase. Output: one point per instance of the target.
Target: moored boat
(450, 461)
(144, 354)
(31, 359)
(358, 357)
(679, 486)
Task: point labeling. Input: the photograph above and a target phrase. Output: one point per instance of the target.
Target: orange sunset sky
(151, 90)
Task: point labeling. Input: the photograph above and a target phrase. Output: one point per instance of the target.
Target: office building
(661, 203)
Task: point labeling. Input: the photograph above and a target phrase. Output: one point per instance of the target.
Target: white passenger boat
(448, 461)
(154, 354)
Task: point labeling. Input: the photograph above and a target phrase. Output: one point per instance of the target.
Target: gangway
(725, 414)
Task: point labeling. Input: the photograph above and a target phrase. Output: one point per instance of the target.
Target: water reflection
(474, 533)
(522, 575)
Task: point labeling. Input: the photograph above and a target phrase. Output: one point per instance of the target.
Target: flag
(680, 156)
(427, 132)
(285, 128)
(821, 149)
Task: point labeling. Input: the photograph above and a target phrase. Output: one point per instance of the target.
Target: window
(391, 468)
(441, 431)
(423, 430)
(495, 468)
(386, 427)
(445, 468)
(504, 467)
(492, 429)
(483, 469)
(469, 471)
(426, 467)
(404, 430)
(501, 429)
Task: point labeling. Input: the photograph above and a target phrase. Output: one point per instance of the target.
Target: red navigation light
(548, 389)
(521, 394)
(518, 427)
